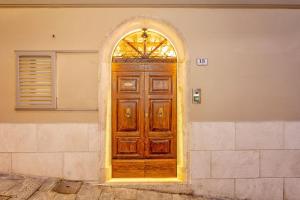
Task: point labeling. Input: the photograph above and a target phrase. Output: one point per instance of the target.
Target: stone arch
(105, 55)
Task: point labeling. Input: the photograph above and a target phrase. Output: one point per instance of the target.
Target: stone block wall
(248, 160)
(70, 151)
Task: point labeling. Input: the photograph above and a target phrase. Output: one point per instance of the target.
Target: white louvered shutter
(36, 80)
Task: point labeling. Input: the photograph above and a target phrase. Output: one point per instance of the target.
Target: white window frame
(37, 106)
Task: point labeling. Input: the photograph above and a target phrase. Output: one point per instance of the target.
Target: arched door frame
(183, 90)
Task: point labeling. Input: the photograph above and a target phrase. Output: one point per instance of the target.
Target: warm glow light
(108, 167)
(144, 44)
(164, 49)
(143, 180)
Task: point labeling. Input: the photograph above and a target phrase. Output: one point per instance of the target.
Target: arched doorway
(144, 106)
(105, 102)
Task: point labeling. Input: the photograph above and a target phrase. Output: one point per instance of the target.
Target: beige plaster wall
(77, 80)
(254, 56)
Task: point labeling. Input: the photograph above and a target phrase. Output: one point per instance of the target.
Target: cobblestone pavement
(14, 187)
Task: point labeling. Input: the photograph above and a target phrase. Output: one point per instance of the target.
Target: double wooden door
(144, 120)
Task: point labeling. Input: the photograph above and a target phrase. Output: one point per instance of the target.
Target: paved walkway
(13, 187)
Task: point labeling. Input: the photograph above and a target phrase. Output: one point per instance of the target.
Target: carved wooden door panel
(128, 115)
(160, 124)
(160, 104)
(144, 121)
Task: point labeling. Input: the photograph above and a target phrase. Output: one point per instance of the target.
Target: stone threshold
(183, 189)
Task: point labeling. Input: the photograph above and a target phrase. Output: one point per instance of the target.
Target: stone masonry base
(246, 160)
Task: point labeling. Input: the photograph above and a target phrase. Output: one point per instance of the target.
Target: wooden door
(144, 120)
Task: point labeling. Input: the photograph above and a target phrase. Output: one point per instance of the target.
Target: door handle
(128, 112)
(160, 112)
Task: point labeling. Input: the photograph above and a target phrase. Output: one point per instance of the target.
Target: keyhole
(160, 112)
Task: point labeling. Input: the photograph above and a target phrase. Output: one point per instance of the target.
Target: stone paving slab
(89, 192)
(22, 190)
(49, 184)
(14, 187)
(6, 185)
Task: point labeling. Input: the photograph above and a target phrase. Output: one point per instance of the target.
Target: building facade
(242, 140)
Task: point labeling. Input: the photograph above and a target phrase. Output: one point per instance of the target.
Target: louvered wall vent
(36, 80)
